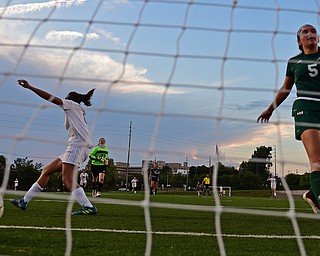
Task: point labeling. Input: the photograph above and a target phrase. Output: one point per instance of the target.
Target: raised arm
(43, 94)
(282, 94)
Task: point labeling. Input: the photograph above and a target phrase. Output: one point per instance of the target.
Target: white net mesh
(189, 74)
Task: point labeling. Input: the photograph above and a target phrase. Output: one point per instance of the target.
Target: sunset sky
(189, 75)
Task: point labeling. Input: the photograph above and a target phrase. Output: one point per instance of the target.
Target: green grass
(107, 233)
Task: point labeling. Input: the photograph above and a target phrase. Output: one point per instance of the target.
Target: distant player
(134, 184)
(273, 185)
(199, 188)
(99, 157)
(206, 183)
(84, 179)
(79, 144)
(154, 178)
(16, 184)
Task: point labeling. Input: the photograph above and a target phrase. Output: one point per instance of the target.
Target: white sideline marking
(158, 232)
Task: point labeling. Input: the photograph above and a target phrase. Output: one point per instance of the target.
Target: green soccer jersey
(98, 155)
(304, 69)
(155, 172)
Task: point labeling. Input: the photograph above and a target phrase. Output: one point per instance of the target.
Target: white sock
(79, 195)
(35, 188)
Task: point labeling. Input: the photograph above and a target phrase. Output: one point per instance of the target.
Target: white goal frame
(223, 189)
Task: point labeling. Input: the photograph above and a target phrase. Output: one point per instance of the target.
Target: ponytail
(77, 97)
(86, 98)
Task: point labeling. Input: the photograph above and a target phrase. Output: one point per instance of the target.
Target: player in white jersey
(84, 179)
(273, 185)
(16, 184)
(79, 144)
(134, 184)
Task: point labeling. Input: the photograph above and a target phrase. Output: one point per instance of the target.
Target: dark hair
(77, 97)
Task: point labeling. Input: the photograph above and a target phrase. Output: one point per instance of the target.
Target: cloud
(266, 135)
(111, 3)
(131, 79)
(69, 35)
(229, 82)
(239, 148)
(35, 7)
(84, 64)
(109, 36)
(261, 104)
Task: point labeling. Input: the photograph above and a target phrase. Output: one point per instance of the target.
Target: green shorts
(155, 178)
(304, 120)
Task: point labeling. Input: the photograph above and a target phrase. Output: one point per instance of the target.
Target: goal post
(222, 190)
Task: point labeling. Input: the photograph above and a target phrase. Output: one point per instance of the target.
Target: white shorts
(83, 183)
(75, 154)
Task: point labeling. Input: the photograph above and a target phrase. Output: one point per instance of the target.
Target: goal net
(188, 74)
(222, 190)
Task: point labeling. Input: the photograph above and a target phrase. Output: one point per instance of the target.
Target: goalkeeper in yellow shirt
(206, 182)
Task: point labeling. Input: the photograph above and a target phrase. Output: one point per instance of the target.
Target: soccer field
(120, 229)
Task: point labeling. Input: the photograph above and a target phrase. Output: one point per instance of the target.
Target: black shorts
(96, 169)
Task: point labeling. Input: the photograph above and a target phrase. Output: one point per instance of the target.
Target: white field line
(221, 209)
(158, 232)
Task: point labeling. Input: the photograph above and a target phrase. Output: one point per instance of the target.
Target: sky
(187, 75)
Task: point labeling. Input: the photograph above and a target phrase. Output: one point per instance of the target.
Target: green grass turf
(113, 223)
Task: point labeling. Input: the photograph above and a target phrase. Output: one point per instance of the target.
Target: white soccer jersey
(273, 182)
(134, 183)
(83, 178)
(76, 124)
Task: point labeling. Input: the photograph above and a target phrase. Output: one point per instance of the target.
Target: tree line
(251, 175)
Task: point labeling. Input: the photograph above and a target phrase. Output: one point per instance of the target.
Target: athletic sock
(79, 195)
(35, 188)
(99, 186)
(315, 184)
(94, 186)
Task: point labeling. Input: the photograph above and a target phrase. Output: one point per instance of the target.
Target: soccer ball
(1, 207)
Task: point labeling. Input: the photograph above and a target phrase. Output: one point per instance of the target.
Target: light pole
(128, 159)
(167, 167)
(187, 169)
(275, 161)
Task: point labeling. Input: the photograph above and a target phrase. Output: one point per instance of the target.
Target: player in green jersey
(99, 157)
(303, 71)
(154, 178)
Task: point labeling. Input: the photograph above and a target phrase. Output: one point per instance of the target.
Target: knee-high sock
(35, 188)
(79, 195)
(99, 186)
(315, 183)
